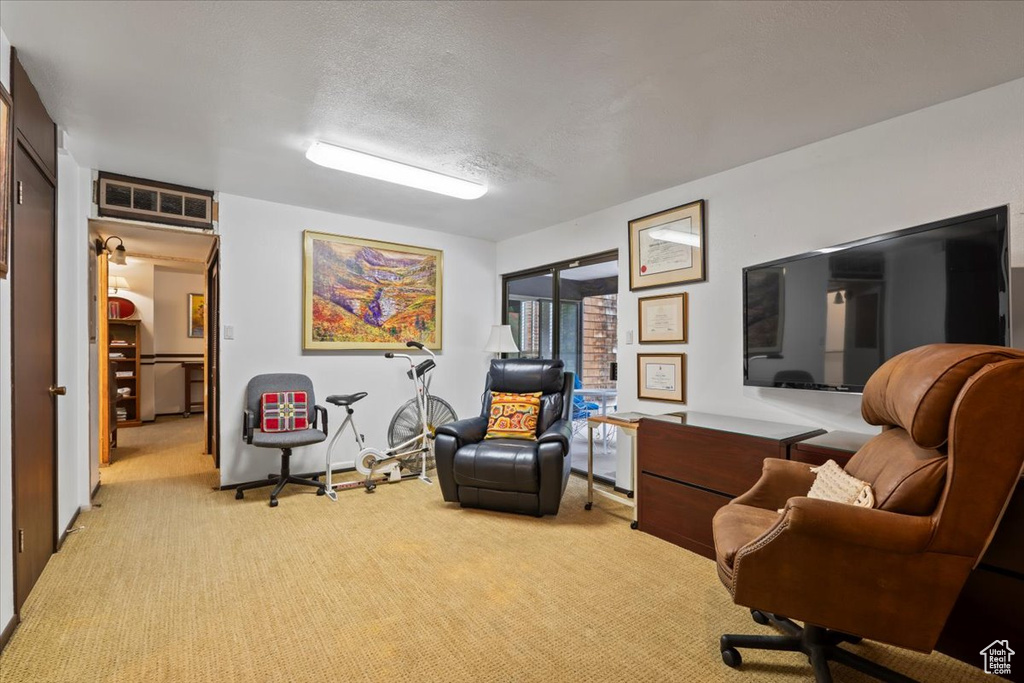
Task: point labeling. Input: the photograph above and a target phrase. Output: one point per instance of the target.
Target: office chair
(285, 441)
(942, 471)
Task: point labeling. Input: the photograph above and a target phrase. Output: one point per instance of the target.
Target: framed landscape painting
(365, 294)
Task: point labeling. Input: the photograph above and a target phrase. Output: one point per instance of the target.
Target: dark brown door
(34, 372)
(33, 335)
(213, 355)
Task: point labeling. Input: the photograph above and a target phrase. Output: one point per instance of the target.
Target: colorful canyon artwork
(364, 294)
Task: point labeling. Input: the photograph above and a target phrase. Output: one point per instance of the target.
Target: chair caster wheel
(239, 495)
(273, 502)
(634, 524)
(370, 488)
(588, 506)
(630, 494)
(731, 657)
(321, 491)
(760, 617)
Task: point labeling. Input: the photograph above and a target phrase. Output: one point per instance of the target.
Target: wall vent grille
(121, 196)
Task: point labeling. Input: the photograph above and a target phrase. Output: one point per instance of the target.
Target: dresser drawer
(721, 461)
(678, 513)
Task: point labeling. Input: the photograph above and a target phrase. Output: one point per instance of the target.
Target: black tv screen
(827, 319)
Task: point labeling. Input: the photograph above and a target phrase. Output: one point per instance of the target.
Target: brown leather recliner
(942, 470)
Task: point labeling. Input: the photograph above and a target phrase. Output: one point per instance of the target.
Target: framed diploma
(668, 247)
(663, 318)
(661, 376)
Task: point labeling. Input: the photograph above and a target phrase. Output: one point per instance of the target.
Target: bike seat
(346, 399)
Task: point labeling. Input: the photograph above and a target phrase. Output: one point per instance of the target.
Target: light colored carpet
(173, 581)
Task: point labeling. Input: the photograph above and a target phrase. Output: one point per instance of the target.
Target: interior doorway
(569, 310)
(157, 311)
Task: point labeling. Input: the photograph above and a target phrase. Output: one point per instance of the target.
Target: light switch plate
(629, 336)
(229, 331)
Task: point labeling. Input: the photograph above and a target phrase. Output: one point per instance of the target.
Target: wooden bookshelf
(125, 340)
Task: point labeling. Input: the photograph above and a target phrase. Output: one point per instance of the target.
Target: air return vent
(149, 200)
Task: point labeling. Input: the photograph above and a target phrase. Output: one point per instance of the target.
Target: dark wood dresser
(690, 464)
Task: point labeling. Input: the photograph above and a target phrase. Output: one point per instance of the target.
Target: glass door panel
(530, 307)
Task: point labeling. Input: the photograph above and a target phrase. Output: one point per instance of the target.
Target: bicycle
(410, 434)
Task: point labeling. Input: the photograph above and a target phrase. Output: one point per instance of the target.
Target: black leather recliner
(511, 475)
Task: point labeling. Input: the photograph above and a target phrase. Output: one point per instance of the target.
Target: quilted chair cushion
(904, 477)
(916, 389)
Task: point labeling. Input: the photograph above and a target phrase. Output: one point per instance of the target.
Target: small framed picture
(663, 318)
(668, 247)
(661, 376)
(196, 315)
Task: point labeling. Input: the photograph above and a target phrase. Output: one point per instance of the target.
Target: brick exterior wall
(600, 329)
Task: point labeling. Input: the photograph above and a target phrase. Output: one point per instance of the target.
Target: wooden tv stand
(690, 464)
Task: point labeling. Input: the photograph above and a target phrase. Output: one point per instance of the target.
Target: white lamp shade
(117, 283)
(501, 340)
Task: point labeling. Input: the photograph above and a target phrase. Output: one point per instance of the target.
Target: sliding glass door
(568, 310)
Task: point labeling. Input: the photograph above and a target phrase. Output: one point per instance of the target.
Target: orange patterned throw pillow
(513, 416)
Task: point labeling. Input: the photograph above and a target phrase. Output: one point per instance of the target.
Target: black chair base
(821, 646)
(285, 477)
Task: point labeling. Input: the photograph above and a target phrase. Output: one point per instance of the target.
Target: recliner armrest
(470, 430)
(248, 425)
(780, 480)
(868, 527)
(559, 431)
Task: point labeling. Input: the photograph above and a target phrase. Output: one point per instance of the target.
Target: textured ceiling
(561, 108)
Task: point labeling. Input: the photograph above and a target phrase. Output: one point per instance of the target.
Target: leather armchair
(942, 470)
(511, 475)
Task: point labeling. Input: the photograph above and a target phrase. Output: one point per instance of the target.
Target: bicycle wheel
(405, 425)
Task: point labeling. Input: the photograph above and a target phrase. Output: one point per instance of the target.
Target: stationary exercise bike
(416, 420)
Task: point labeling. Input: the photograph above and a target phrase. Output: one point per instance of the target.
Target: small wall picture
(668, 247)
(663, 318)
(196, 315)
(661, 376)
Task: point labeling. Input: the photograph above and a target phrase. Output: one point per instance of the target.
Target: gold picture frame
(663, 319)
(661, 377)
(361, 294)
(668, 247)
(196, 315)
(6, 173)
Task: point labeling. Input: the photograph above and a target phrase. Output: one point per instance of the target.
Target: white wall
(140, 276)
(170, 337)
(261, 280)
(6, 501)
(73, 451)
(953, 158)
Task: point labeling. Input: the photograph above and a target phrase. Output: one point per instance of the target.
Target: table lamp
(501, 340)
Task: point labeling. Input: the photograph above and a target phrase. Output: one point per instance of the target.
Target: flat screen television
(827, 319)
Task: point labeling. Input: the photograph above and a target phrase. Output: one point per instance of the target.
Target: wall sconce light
(117, 254)
(117, 282)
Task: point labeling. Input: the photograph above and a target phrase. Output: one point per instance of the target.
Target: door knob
(57, 391)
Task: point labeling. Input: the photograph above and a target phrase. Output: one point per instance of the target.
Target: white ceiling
(175, 248)
(561, 108)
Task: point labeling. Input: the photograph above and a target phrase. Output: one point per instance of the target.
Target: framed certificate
(668, 247)
(661, 376)
(663, 318)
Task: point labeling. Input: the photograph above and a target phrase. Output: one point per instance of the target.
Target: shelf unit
(125, 339)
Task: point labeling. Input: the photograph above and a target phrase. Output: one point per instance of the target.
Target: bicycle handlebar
(414, 344)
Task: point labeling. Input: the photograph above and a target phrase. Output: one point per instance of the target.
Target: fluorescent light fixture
(667, 235)
(351, 161)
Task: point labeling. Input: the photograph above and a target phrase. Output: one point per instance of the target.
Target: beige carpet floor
(171, 580)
